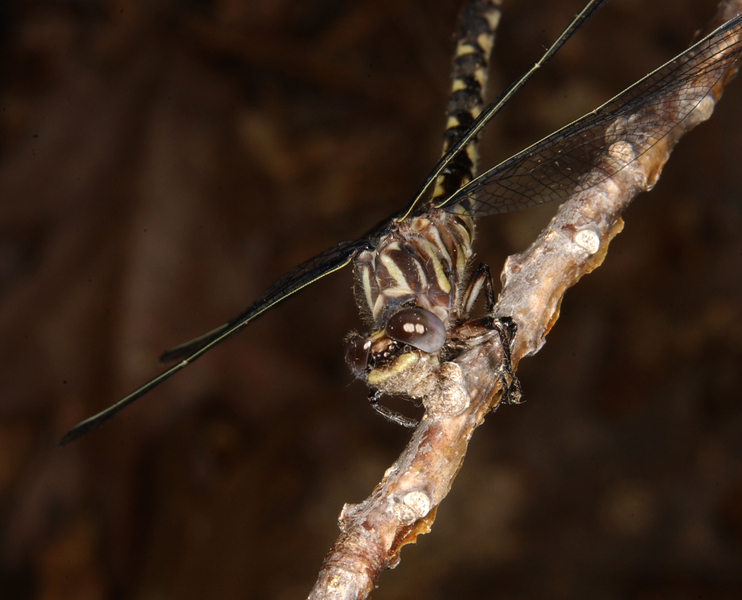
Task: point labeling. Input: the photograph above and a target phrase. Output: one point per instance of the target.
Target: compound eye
(417, 327)
(357, 349)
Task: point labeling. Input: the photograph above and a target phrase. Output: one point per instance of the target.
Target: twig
(405, 502)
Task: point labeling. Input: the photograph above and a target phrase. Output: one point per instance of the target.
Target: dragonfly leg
(388, 414)
(480, 277)
(505, 326)
(506, 329)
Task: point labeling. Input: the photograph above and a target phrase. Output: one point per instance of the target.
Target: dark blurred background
(162, 162)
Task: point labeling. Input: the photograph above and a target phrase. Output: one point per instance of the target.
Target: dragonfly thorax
(421, 261)
(409, 288)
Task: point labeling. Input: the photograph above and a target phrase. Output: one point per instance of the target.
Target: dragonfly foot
(388, 414)
(506, 329)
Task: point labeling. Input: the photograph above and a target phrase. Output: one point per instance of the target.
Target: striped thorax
(410, 288)
(422, 260)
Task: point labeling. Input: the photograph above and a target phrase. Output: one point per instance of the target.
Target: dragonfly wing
(469, 135)
(305, 274)
(183, 350)
(299, 277)
(553, 168)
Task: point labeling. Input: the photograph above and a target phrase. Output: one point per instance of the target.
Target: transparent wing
(306, 273)
(494, 107)
(299, 277)
(552, 169)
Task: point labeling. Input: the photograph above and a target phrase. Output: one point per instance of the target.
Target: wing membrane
(306, 273)
(552, 168)
(496, 105)
(299, 277)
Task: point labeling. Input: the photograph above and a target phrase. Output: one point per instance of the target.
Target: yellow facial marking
(376, 336)
(401, 364)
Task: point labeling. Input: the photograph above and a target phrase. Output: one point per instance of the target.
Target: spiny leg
(480, 278)
(388, 414)
(507, 328)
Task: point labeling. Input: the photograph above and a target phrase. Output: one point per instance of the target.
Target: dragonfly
(415, 281)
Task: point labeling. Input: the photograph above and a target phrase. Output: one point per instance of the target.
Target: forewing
(299, 277)
(640, 116)
(306, 273)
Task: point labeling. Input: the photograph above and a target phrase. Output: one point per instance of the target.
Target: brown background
(162, 162)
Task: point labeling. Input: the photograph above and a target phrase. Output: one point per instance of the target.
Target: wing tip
(80, 430)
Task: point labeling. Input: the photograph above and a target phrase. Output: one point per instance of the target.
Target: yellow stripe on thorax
(440, 274)
(395, 272)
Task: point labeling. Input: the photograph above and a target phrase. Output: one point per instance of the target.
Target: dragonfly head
(401, 357)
